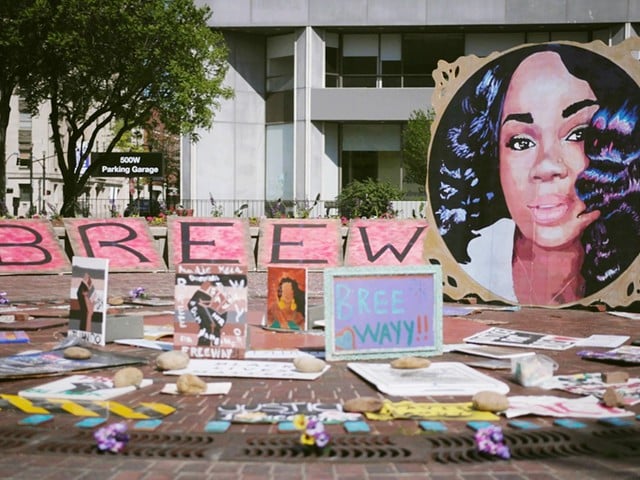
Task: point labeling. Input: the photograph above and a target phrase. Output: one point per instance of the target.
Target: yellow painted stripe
(73, 408)
(23, 404)
(162, 408)
(122, 410)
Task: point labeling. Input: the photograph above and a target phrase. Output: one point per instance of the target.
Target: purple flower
(322, 439)
(3, 298)
(490, 440)
(112, 438)
(137, 293)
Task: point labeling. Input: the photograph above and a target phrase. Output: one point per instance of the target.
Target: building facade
(324, 88)
(34, 182)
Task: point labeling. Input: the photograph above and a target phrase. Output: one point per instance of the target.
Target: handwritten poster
(378, 312)
(211, 303)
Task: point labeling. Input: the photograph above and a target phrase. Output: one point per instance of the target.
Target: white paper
(609, 341)
(215, 388)
(550, 406)
(245, 369)
(439, 378)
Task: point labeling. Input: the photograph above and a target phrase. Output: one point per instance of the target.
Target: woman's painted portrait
(534, 175)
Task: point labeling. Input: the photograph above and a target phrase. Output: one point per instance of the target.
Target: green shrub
(368, 199)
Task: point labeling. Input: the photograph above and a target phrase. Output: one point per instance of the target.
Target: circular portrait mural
(534, 175)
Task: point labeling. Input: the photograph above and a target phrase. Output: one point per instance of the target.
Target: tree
(135, 61)
(415, 146)
(19, 42)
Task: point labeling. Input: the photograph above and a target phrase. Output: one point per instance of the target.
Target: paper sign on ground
(214, 388)
(52, 362)
(433, 411)
(550, 406)
(592, 384)
(80, 387)
(519, 338)
(441, 378)
(88, 299)
(245, 369)
(490, 351)
(276, 412)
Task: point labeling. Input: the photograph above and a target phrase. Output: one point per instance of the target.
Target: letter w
(400, 256)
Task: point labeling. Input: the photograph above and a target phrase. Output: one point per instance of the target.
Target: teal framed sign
(382, 312)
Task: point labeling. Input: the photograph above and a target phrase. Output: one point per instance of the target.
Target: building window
(371, 151)
(280, 67)
(25, 192)
(387, 60)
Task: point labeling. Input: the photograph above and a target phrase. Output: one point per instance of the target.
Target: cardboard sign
(88, 299)
(126, 242)
(311, 243)
(384, 242)
(30, 246)
(378, 312)
(223, 241)
(211, 303)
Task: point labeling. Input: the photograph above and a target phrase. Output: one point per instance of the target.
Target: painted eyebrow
(566, 113)
(519, 117)
(575, 107)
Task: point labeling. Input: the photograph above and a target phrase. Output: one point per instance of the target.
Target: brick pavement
(336, 385)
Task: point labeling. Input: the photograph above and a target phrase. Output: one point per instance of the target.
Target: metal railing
(100, 208)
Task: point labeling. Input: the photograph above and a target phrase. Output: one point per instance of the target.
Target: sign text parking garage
(128, 164)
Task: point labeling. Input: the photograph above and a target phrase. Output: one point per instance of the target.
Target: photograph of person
(287, 302)
(85, 293)
(534, 174)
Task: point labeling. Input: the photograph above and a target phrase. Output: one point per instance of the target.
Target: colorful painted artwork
(375, 312)
(211, 303)
(533, 173)
(286, 298)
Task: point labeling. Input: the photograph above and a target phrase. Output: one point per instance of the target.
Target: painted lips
(549, 209)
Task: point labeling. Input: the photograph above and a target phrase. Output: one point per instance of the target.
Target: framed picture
(383, 312)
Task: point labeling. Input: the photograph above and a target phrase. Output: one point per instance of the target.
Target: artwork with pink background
(30, 246)
(126, 242)
(210, 240)
(310, 243)
(385, 242)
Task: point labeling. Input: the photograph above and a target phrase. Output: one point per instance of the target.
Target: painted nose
(549, 166)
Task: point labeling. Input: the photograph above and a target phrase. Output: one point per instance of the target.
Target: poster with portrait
(287, 298)
(211, 303)
(533, 173)
(88, 299)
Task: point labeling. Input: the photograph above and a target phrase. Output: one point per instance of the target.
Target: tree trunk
(69, 199)
(5, 110)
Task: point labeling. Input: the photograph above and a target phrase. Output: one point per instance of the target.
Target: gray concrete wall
(362, 104)
(254, 13)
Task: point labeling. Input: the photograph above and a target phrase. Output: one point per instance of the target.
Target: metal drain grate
(442, 448)
(342, 448)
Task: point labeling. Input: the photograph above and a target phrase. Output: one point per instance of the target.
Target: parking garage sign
(128, 164)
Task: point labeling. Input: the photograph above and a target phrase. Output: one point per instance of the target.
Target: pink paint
(386, 242)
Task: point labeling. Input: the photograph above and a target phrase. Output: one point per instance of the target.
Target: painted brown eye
(576, 135)
(520, 143)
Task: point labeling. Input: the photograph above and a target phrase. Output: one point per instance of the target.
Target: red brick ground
(337, 384)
